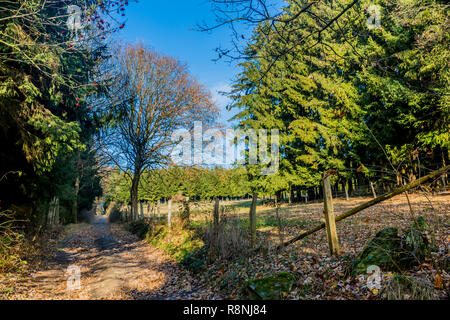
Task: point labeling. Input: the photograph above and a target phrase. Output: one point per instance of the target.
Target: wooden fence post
(169, 215)
(352, 212)
(215, 220)
(253, 220)
(216, 213)
(50, 212)
(53, 212)
(330, 220)
(158, 209)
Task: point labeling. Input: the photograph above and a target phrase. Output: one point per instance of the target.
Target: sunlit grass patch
(176, 241)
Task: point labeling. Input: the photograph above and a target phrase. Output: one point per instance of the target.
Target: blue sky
(167, 27)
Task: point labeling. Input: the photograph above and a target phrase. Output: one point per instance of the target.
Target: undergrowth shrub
(195, 260)
(200, 243)
(227, 239)
(178, 242)
(11, 249)
(10, 244)
(17, 250)
(140, 228)
(114, 213)
(86, 216)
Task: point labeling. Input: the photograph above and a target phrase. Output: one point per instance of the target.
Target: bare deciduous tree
(154, 95)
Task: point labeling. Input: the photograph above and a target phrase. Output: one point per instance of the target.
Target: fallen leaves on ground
(114, 264)
(322, 276)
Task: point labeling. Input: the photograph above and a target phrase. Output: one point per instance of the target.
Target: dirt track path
(114, 264)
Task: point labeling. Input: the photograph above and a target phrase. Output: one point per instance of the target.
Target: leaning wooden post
(216, 213)
(253, 220)
(352, 212)
(330, 220)
(169, 215)
(158, 209)
(216, 220)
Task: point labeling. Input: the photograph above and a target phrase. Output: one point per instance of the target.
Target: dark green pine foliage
(46, 114)
(351, 97)
(304, 94)
(403, 79)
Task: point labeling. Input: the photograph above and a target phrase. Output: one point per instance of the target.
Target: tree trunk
(134, 197)
(346, 191)
(253, 220)
(56, 216)
(373, 190)
(75, 200)
(321, 191)
(399, 181)
(280, 223)
(142, 209)
(444, 176)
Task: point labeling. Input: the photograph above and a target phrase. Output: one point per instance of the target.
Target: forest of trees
(50, 109)
(372, 105)
(83, 120)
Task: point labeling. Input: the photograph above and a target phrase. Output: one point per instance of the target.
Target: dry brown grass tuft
(227, 239)
(402, 287)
